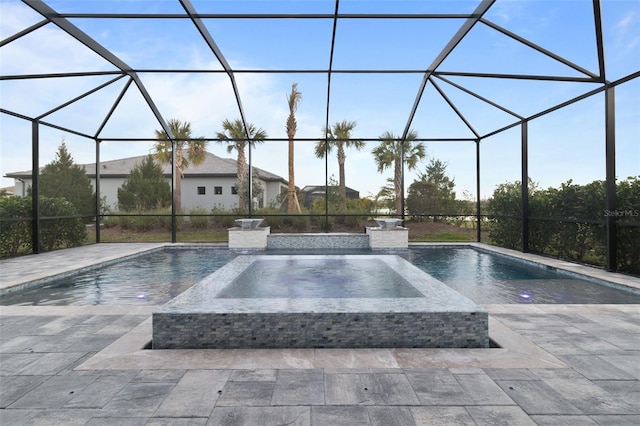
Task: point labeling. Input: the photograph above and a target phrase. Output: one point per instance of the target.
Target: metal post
(174, 176)
(35, 187)
(326, 181)
(478, 212)
(525, 187)
(610, 159)
(402, 186)
(97, 217)
(250, 178)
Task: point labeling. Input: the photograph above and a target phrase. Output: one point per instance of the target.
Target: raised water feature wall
(318, 241)
(435, 316)
(385, 236)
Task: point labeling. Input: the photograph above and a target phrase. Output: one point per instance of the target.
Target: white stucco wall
(109, 189)
(190, 197)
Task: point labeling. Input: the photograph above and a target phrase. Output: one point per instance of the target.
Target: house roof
(212, 166)
(321, 188)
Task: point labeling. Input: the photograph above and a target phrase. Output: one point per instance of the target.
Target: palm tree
(194, 147)
(233, 134)
(391, 151)
(339, 136)
(293, 99)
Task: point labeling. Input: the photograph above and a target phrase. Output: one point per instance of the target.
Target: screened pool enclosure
(506, 97)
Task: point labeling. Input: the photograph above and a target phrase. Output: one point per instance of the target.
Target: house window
(234, 190)
(217, 190)
(201, 190)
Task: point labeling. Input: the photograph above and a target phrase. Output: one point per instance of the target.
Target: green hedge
(569, 222)
(58, 225)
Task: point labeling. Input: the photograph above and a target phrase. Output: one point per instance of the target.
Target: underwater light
(525, 296)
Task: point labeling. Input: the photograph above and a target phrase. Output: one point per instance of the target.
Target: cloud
(506, 11)
(626, 23)
(206, 99)
(627, 35)
(21, 18)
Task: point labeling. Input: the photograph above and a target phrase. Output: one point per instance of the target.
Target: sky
(566, 144)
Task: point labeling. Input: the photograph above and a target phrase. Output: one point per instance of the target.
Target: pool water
(487, 278)
(150, 279)
(319, 277)
(158, 277)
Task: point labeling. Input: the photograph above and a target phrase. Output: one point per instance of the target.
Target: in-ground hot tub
(320, 301)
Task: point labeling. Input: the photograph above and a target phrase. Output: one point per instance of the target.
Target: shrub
(15, 228)
(163, 220)
(59, 226)
(294, 222)
(569, 221)
(198, 222)
(142, 221)
(223, 220)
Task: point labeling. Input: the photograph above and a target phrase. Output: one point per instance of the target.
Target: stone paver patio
(86, 365)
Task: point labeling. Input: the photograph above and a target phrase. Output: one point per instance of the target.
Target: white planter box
(255, 238)
(380, 238)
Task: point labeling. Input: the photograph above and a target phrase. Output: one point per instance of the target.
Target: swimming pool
(330, 277)
(157, 277)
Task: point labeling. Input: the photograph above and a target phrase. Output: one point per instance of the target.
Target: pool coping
(129, 352)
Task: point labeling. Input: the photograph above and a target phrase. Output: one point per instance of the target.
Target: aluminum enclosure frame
(431, 75)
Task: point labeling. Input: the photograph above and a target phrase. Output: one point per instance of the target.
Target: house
(7, 191)
(313, 192)
(210, 184)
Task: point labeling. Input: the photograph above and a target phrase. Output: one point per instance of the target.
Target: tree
(145, 188)
(339, 136)
(257, 190)
(505, 209)
(194, 147)
(234, 135)
(628, 198)
(390, 153)
(433, 191)
(63, 179)
(386, 196)
(293, 100)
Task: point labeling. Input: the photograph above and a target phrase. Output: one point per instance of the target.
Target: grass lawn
(418, 232)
